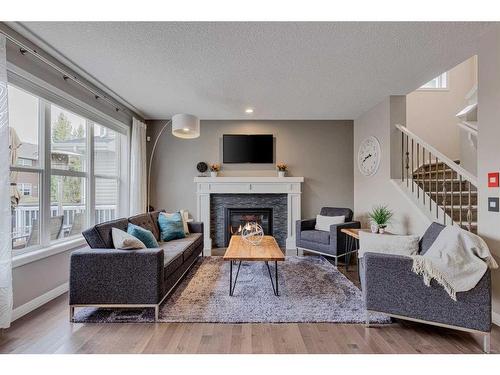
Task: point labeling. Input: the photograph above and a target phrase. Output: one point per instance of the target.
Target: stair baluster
(407, 163)
(418, 170)
(444, 195)
(460, 200)
(432, 173)
(412, 167)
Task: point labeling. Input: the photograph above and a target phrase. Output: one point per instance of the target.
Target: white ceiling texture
(283, 70)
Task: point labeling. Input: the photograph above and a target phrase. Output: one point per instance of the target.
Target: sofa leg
(71, 313)
(157, 312)
(486, 343)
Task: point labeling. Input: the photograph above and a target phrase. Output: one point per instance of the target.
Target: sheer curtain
(5, 211)
(138, 171)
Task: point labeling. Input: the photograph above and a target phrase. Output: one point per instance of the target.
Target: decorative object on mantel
(380, 217)
(183, 126)
(202, 167)
(282, 168)
(214, 169)
(252, 233)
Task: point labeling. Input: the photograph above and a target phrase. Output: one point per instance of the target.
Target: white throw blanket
(457, 260)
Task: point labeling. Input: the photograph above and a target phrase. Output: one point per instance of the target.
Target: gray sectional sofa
(102, 276)
(389, 286)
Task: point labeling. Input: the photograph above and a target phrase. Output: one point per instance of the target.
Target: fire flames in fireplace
(238, 218)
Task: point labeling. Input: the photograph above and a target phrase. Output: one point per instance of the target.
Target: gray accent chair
(102, 276)
(331, 244)
(390, 287)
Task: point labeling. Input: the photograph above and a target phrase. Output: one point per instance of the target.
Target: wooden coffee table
(267, 251)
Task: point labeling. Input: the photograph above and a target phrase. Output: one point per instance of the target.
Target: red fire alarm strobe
(493, 179)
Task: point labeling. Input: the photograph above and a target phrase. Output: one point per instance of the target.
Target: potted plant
(214, 169)
(282, 168)
(380, 216)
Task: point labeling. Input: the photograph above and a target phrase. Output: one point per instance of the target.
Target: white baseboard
(39, 301)
(495, 317)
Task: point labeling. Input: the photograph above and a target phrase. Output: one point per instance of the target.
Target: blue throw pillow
(171, 226)
(144, 235)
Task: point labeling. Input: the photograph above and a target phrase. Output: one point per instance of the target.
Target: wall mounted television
(240, 148)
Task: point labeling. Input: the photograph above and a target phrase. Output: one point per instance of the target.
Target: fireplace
(276, 206)
(236, 218)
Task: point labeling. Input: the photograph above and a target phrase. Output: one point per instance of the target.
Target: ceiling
(291, 70)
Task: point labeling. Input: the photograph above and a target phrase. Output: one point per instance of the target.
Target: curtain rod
(23, 49)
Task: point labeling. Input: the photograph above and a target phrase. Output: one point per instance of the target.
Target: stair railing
(419, 160)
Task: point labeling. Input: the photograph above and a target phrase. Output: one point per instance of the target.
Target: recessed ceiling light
(249, 110)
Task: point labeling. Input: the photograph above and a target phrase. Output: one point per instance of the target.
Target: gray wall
(380, 188)
(320, 151)
(488, 155)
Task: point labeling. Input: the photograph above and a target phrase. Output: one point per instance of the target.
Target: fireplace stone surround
(289, 187)
(222, 204)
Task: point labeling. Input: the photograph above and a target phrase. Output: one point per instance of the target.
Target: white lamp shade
(185, 126)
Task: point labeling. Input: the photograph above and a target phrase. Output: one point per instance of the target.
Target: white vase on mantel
(281, 173)
(213, 174)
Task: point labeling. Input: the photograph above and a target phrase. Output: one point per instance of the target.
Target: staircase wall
(380, 188)
(431, 113)
(488, 148)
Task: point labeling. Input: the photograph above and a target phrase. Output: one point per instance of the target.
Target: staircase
(443, 186)
(444, 190)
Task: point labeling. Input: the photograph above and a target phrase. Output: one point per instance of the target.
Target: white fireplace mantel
(248, 185)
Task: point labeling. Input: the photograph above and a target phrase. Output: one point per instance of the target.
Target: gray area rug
(311, 290)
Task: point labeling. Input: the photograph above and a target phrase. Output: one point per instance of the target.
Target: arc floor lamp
(183, 126)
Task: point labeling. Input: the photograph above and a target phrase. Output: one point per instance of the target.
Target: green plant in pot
(380, 216)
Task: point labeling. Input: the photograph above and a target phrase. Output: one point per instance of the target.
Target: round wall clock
(369, 156)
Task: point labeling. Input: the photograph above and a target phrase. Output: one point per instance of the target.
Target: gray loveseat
(331, 244)
(103, 276)
(390, 287)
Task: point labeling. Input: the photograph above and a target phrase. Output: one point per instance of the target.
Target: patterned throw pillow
(185, 218)
(144, 235)
(171, 226)
(124, 241)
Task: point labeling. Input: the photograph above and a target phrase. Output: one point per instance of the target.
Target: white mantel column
(203, 210)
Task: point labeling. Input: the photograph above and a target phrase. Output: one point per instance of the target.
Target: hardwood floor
(47, 330)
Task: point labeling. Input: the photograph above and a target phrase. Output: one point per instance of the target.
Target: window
(25, 188)
(438, 83)
(68, 161)
(62, 185)
(24, 162)
(25, 177)
(106, 173)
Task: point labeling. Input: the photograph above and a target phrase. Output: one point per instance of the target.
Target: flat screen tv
(239, 148)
